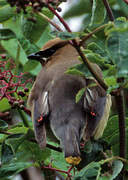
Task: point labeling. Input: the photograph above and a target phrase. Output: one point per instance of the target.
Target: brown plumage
(53, 97)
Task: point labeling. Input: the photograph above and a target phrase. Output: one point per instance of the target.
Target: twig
(58, 170)
(113, 158)
(108, 9)
(59, 17)
(6, 133)
(50, 21)
(91, 33)
(126, 1)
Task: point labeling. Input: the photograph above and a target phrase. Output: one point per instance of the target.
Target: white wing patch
(45, 103)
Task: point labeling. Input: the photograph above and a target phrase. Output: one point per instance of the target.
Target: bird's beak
(34, 56)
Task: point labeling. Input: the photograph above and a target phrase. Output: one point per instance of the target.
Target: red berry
(26, 90)
(21, 102)
(21, 93)
(3, 56)
(59, 9)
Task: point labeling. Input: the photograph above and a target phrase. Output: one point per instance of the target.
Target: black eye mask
(43, 55)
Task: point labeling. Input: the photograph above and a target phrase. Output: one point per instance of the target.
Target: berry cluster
(35, 4)
(9, 85)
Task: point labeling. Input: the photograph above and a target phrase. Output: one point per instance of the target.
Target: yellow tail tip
(73, 160)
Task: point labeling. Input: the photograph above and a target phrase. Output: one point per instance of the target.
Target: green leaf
(79, 69)
(117, 46)
(3, 2)
(65, 35)
(58, 160)
(11, 46)
(4, 105)
(6, 12)
(30, 65)
(74, 72)
(117, 167)
(103, 178)
(88, 147)
(79, 8)
(123, 7)
(14, 141)
(6, 34)
(6, 153)
(45, 37)
(28, 47)
(13, 168)
(33, 30)
(36, 70)
(98, 12)
(111, 134)
(80, 94)
(3, 125)
(91, 171)
(111, 81)
(14, 24)
(31, 150)
(18, 130)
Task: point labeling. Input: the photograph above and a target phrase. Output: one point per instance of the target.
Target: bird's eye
(52, 50)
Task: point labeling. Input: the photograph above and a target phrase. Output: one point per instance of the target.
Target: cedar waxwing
(52, 100)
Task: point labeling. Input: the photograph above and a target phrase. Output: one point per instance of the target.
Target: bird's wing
(96, 104)
(40, 113)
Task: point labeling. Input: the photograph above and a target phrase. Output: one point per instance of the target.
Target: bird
(52, 100)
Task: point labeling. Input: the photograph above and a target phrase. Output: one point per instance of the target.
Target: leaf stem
(108, 9)
(24, 119)
(17, 59)
(113, 158)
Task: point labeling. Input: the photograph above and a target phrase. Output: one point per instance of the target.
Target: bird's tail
(71, 146)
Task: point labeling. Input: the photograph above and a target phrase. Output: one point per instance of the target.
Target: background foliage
(24, 33)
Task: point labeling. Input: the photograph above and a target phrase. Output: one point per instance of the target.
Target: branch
(77, 46)
(91, 33)
(121, 116)
(91, 69)
(108, 9)
(59, 17)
